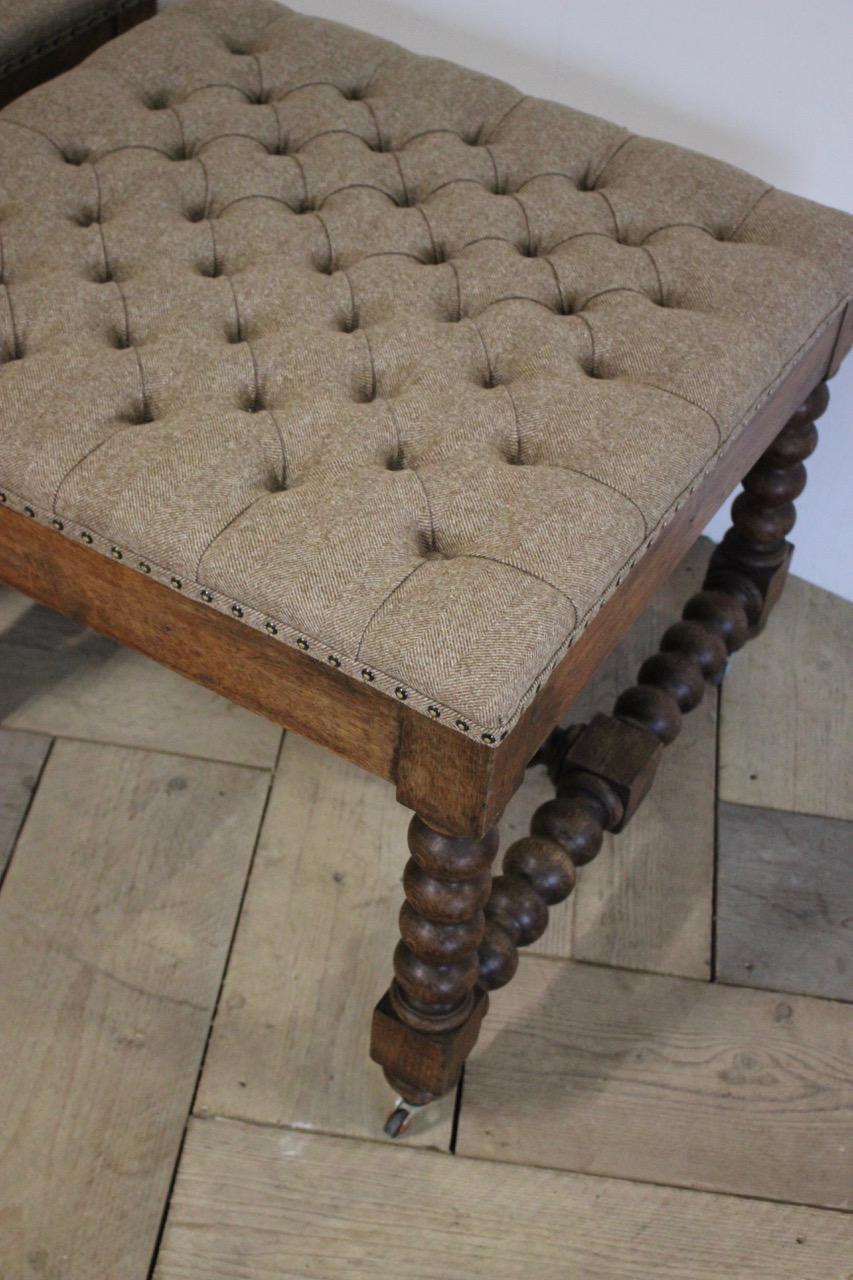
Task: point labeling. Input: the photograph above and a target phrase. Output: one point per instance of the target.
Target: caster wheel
(400, 1120)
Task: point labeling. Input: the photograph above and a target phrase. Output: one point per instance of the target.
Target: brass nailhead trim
(176, 583)
(489, 738)
(270, 628)
(434, 712)
(87, 538)
(237, 611)
(302, 643)
(367, 674)
(57, 524)
(2, 497)
(401, 693)
(28, 511)
(462, 724)
(207, 597)
(116, 553)
(336, 662)
(144, 566)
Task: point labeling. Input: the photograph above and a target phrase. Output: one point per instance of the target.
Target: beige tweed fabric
(373, 352)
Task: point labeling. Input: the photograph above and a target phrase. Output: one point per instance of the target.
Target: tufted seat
(374, 353)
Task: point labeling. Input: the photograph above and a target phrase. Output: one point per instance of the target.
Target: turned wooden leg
(427, 1023)
(603, 770)
(752, 559)
(460, 928)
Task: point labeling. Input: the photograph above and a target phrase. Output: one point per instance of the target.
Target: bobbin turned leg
(461, 929)
(427, 1023)
(752, 559)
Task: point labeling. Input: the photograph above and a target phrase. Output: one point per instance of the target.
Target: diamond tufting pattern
(375, 353)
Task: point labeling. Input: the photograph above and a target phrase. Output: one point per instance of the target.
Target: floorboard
(645, 903)
(115, 920)
(313, 955)
(786, 730)
(664, 1080)
(22, 756)
(58, 678)
(260, 1204)
(785, 902)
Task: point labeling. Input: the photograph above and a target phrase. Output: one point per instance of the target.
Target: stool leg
(427, 1023)
(461, 929)
(754, 550)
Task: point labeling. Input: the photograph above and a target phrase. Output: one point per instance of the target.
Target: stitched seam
(670, 392)
(371, 362)
(653, 260)
(225, 529)
(561, 301)
(613, 154)
(458, 280)
(511, 398)
(502, 119)
(589, 329)
(609, 204)
(510, 719)
(750, 211)
(61, 38)
(529, 573)
(382, 605)
(612, 487)
(528, 231)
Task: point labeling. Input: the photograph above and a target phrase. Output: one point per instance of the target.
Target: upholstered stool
(380, 397)
(41, 38)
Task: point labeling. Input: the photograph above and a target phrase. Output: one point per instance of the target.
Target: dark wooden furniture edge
(69, 46)
(459, 785)
(438, 777)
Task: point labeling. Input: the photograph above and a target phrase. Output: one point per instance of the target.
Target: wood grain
(785, 902)
(215, 651)
(616, 616)
(57, 677)
(115, 919)
(786, 729)
(21, 758)
(646, 901)
(259, 1204)
(664, 1080)
(313, 955)
(515, 824)
(454, 783)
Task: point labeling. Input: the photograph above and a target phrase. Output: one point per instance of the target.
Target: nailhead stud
(367, 674)
(57, 524)
(489, 738)
(271, 629)
(302, 643)
(176, 583)
(116, 553)
(335, 662)
(144, 566)
(462, 724)
(434, 712)
(28, 511)
(401, 693)
(87, 538)
(237, 611)
(207, 596)
(2, 497)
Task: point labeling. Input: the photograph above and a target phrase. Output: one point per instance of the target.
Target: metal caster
(400, 1120)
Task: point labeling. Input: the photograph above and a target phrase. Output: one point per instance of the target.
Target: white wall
(764, 84)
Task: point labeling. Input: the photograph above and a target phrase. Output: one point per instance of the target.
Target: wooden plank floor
(195, 923)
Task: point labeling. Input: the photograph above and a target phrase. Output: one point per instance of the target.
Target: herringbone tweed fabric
(372, 351)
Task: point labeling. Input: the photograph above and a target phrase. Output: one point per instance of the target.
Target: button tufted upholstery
(373, 352)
